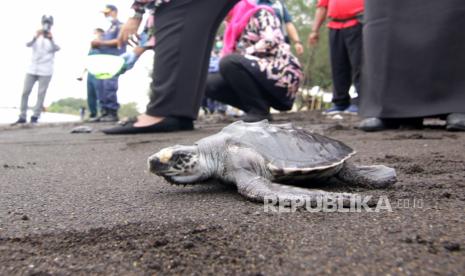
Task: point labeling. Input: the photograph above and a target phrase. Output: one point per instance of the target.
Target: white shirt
(43, 55)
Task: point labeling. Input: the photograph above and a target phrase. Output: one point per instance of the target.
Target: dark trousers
(415, 58)
(245, 87)
(107, 95)
(346, 61)
(185, 32)
(92, 94)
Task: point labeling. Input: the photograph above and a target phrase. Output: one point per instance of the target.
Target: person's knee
(229, 63)
(214, 82)
(26, 92)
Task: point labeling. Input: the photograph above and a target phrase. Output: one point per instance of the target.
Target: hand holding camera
(47, 23)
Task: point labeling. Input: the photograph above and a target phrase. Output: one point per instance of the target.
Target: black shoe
(91, 118)
(378, 124)
(373, 124)
(169, 124)
(455, 122)
(19, 121)
(109, 118)
(94, 119)
(34, 120)
(253, 117)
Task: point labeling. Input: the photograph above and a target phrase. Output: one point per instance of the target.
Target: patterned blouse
(263, 42)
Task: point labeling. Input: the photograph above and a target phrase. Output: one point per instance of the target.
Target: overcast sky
(72, 30)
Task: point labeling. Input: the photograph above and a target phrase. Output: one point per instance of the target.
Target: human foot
(144, 120)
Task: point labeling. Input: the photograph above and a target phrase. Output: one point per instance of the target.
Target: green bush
(128, 110)
(315, 60)
(73, 106)
(67, 106)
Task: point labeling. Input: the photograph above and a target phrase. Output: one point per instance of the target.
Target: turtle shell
(288, 149)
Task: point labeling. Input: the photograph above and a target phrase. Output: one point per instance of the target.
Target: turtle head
(178, 164)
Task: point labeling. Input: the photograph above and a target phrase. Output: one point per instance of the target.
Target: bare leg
(147, 120)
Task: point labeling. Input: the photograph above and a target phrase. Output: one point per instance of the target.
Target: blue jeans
(107, 95)
(29, 82)
(92, 94)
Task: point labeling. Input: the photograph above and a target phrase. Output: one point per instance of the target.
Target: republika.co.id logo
(342, 204)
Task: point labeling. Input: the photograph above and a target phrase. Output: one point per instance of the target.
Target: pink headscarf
(239, 18)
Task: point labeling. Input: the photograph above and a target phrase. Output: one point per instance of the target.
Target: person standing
(415, 64)
(185, 31)
(40, 69)
(108, 44)
(345, 39)
(92, 84)
(287, 27)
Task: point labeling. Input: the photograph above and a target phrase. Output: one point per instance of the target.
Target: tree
(315, 60)
(128, 110)
(67, 106)
(73, 106)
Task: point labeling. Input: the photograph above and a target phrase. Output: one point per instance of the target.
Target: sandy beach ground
(85, 204)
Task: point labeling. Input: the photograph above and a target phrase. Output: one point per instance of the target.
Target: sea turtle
(261, 159)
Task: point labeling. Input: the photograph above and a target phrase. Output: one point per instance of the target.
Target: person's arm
(55, 47)
(81, 77)
(291, 30)
(30, 43)
(108, 43)
(295, 39)
(320, 17)
(130, 58)
(132, 25)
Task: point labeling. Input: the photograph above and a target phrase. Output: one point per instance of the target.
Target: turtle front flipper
(260, 189)
(375, 176)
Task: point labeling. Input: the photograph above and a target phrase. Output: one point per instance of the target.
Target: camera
(47, 23)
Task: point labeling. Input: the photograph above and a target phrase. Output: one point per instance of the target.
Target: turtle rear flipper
(260, 189)
(375, 176)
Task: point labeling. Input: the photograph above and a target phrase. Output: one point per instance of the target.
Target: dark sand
(85, 204)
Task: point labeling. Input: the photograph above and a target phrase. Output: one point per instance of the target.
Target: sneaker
(94, 119)
(19, 121)
(34, 120)
(352, 110)
(97, 119)
(109, 118)
(335, 109)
